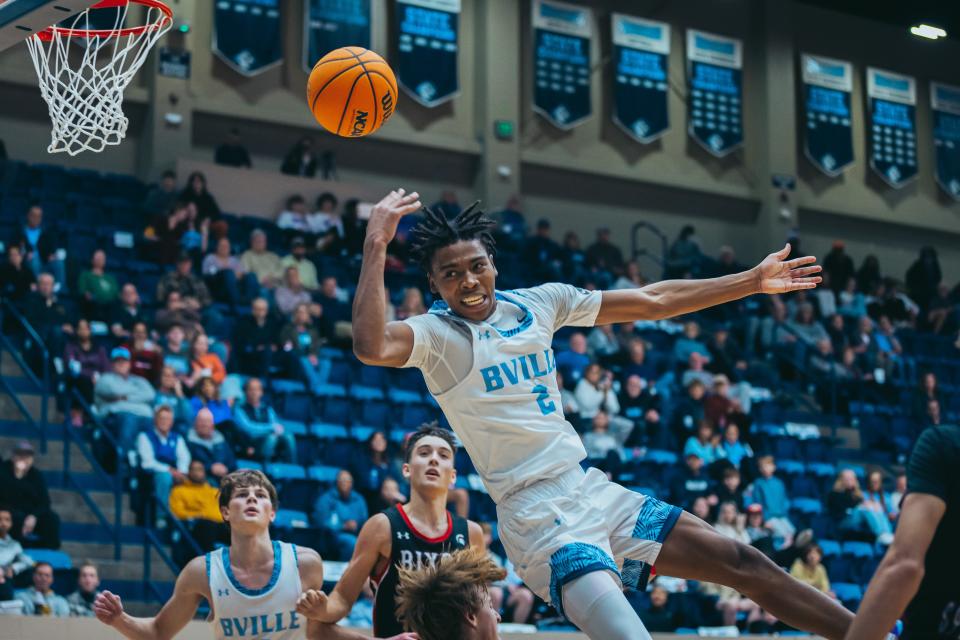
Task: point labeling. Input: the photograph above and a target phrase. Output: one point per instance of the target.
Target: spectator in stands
(761, 535)
(603, 254)
(731, 523)
(843, 504)
(572, 258)
(195, 500)
(208, 397)
(170, 393)
(595, 392)
(259, 422)
(165, 232)
(933, 418)
(301, 159)
(732, 449)
(196, 193)
(226, 276)
(232, 153)
(47, 314)
(40, 599)
(265, 264)
(864, 344)
(696, 370)
(162, 196)
(127, 311)
(890, 351)
(825, 298)
(880, 505)
(839, 340)
(326, 220)
(164, 457)
(84, 360)
(88, 588)
(292, 294)
(24, 490)
(412, 304)
(448, 204)
(894, 304)
(773, 329)
(176, 311)
(16, 277)
(942, 311)
(726, 355)
(204, 363)
(176, 352)
(640, 403)
(511, 226)
(718, 407)
(689, 411)
(39, 246)
(305, 268)
(899, 491)
(603, 448)
(769, 492)
(388, 496)
(705, 444)
(372, 467)
(730, 489)
(809, 569)
(192, 290)
(727, 262)
(684, 256)
(689, 343)
(637, 364)
(13, 560)
(806, 327)
(691, 483)
(660, 616)
(839, 265)
(301, 342)
(868, 276)
(509, 594)
(923, 277)
(125, 400)
(632, 278)
(389, 310)
(146, 359)
(851, 303)
(98, 290)
(207, 445)
(295, 216)
(573, 360)
(341, 511)
(337, 315)
(571, 410)
(253, 340)
(542, 255)
(602, 344)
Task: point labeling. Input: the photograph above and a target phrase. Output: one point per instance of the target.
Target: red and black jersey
(410, 549)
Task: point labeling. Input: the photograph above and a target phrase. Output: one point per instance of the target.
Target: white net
(83, 85)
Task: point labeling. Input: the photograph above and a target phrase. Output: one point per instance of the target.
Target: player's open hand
(312, 604)
(387, 213)
(107, 607)
(779, 275)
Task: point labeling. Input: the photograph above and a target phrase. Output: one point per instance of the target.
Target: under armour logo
(485, 335)
(223, 592)
(403, 535)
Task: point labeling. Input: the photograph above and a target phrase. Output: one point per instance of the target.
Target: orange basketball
(352, 91)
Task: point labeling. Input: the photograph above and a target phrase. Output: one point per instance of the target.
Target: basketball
(352, 91)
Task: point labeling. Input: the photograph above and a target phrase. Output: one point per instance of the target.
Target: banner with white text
(945, 102)
(331, 24)
(427, 49)
(892, 126)
(714, 102)
(246, 34)
(561, 63)
(827, 87)
(641, 52)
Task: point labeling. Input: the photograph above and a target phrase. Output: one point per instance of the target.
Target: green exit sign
(503, 129)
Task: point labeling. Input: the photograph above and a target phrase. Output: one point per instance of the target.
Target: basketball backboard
(20, 19)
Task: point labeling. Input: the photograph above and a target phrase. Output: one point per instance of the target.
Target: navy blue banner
(331, 24)
(427, 61)
(715, 92)
(561, 61)
(827, 85)
(246, 34)
(891, 126)
(945, 102)
(641, 49)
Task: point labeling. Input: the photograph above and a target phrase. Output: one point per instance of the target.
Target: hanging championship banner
(641, 49)
(891, 118)
(246, 34)
(945, 102)
(714, 101)
(827, 85)
(331, 24)
(427, 36)
(561, 61)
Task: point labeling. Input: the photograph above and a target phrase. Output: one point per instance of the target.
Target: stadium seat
(661, 457)
(296, 406)
(808, 506)
(829, 547)
(790, 467)
(281, 386)
(294, 427)
(372, 413)
(249, 464)
(848, 593)
(804, 487)
(327, 431)
(323, 473)
(361, 433)
(336, 411)
(279, 471)
(299, 494)
(57, 559)
(857, 549)
(822, 469)
(291, 519)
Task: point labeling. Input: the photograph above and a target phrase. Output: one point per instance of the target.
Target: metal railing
(152, 542)
(42, 385)
(638, 252)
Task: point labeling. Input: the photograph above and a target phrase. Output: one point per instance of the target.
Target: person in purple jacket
(84, 361)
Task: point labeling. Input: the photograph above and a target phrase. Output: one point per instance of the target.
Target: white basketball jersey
(256, 614)
(507, 410)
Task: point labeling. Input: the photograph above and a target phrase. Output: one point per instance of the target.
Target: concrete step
(133, 569)
(32, 403)
(52, 460)
(9, 367)
(72, 508)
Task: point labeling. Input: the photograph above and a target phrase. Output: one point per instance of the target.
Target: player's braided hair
(436, 232)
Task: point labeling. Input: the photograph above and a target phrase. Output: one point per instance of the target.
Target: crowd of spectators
(176, 374)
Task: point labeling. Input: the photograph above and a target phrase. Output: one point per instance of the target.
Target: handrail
(5, 386)
(150, 541)
(44, 386)
(636, 252)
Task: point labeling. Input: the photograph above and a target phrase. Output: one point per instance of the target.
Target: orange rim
(167, 17)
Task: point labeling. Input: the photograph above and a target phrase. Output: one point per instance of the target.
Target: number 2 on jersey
(546, 405)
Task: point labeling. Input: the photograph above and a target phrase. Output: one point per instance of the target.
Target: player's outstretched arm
(670, 298)
(374, 340)
(190, 587)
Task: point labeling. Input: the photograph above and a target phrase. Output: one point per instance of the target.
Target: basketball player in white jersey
(405, 537)
(486, 356)
(252, 585)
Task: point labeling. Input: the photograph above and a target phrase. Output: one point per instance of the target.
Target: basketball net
(84, 89)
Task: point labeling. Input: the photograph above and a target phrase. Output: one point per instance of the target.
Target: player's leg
(596, 604)
(694, 550)
(521, 601)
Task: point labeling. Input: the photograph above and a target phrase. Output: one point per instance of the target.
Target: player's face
(464, 276)
(431, 464)
(485, 621)
(249, 509)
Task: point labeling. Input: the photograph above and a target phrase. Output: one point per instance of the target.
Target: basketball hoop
(84, 91)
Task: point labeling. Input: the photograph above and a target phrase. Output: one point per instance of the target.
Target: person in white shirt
(164, 454)
(294, 215)
(595, 392)
(576, 538)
